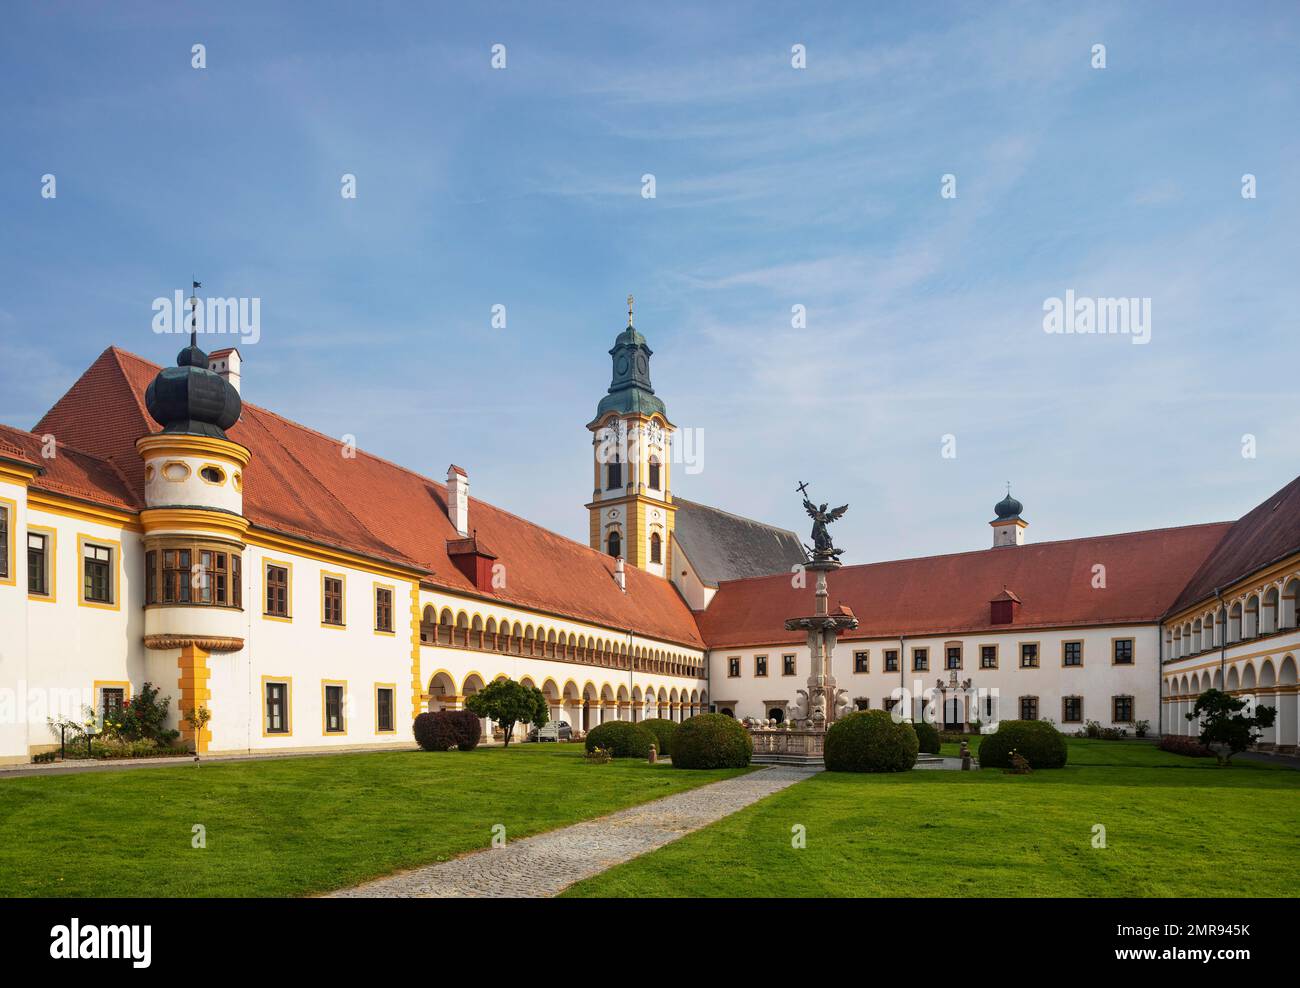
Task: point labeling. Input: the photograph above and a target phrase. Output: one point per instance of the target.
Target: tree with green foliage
(510, 703)
(1227, 725)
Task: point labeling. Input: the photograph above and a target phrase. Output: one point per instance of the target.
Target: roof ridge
(440, 485)
(1022, 548)
(732, 514)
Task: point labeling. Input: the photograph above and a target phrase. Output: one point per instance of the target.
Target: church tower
(632, 506)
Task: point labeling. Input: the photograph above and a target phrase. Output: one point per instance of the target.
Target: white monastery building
(155, 528)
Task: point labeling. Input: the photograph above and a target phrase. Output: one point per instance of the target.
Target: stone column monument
(822, 703)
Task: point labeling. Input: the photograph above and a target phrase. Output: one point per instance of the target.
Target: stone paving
(547, 864)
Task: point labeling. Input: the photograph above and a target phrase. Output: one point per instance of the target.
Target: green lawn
(298, 825)
(1175, 826)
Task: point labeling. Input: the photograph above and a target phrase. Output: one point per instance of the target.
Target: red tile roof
(950, 594)
(298, 482)
(1261, 537)
(69, 471)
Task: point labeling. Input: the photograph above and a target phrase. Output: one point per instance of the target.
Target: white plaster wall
(1097, 681)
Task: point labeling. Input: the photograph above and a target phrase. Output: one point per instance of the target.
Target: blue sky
(774, 187)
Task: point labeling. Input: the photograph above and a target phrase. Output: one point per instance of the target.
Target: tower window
(614, 475)
(656, 548)
(615, 544)
(654, 475)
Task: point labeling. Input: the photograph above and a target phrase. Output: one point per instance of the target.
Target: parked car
(555, 730)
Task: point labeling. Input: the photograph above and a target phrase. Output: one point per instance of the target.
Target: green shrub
(871, 741)
(712, 741)
(664, 730)
(1038, 742)
(927, 737)
(442, 730)
(622, 739)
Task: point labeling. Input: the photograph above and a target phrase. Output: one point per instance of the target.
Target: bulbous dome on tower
(1008, 508)
(192, 400)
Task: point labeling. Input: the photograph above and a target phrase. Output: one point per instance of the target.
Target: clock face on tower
(656, 433)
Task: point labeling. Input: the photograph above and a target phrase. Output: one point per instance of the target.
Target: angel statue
(821, 536)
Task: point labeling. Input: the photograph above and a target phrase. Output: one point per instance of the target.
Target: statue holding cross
(822, 548)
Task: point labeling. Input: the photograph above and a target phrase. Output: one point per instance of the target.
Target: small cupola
(1004, 608)
(1008, 526)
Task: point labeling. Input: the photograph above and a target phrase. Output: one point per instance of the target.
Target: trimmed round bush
(870, 741)
(468, 729)
(927, 737)
(1037, 741)
(712, 741)
(443, 730)
(664, 730)
(622, 739)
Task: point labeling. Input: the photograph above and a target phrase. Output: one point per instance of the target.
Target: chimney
(458, 499)
(226, 363)
(620, 575)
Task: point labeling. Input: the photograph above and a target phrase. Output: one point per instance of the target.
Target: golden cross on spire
(629, 310)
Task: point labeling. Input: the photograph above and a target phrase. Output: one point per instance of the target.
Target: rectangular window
(111, 700)
(151, 576)
(760, 665)
(334, 710)
(1029, 655)
(332, 600)
(37, 582)
(277, 708)
(1122, 709)
(920, 659)
(733, 667)
(277, 590)
(787, 665)
(1029, 708)
(98, 588)
(1072, 710)
(176, 576)
(988, 656)
(891, 660)
(952, 657)
(861, 661)
(1072, 653)
(1123, 651)
(384, 709)
(4, 542)
(383, 609)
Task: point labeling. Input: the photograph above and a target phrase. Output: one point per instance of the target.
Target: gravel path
(545, 865)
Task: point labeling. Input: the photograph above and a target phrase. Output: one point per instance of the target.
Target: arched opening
(777, 714)
(1288, 612)
(1234, 623)
(1268, 612)
(1251, 627)
(428, 625)
(656, 548)
(654, 473)
(614, 474)
(614, 544)
(442, 692)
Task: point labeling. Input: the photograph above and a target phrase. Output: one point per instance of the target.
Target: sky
(921, 377)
